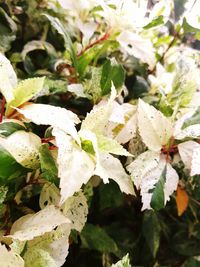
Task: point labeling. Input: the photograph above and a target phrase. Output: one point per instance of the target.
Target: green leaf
(54, 86)
(190, 29)
(9, 127)
(192, 262)
(55, 22)
(96, 238)
(3, 193)
(8, 29)
(158, 196)
(154, 23)
(151, 231)
(24, 91)
(8, 165)
(111, 72)
(48, 165)
(194, 119)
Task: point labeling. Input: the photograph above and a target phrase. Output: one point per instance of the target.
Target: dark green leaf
(151, 231)
(111, 72)
(158, 196)
(96, 238)
(8, 128)
(9, 168)
(48, 165)
(8, 30)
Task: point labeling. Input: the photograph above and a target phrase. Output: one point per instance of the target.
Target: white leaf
(33, 225)
(149, 181)
(75, 208)
(24, 147)
(155, 129)
(54, 116)
(51, 249)
(143, 164)
(186, 150)
(8, 78)
(109, 167)
(77, 89)
(75, 167)
(195, 168)
(9, 258)
(134, 45)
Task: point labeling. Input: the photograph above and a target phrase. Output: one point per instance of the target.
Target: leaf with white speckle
(9, 258)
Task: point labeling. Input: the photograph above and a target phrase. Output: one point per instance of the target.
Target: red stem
(103, 38)
(2, 108)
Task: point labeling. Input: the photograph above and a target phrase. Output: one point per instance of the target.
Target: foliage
(99, 133)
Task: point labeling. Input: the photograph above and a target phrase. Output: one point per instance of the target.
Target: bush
(99, 133)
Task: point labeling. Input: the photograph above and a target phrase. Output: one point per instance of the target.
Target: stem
(98, 41)
(2, 109)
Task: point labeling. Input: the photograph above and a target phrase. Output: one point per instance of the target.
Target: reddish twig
(47, 140)
(98, 41)
(2, 109)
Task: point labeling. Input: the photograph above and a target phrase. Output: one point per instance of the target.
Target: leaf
(48, 165)
(159, 128)
(75, 208)
(8, 29)
(33, 225)
(124, 262)
(51, 249)
(137, 46)
(193, 120)
(151, 230)
(182, 200)
(61, 118)
(96, 238)
(150, 180)
(116, 173)
(35, 46)
(195, 166)
(8, 165)
(190, 29)
(24, 148)
(109, 145)
(24, 91)
(8, 78)
(55, 22)
(143, 164)
(154, 23)
(74, 176)
(186, 150)
(9, 258)
(54, 85)
(111, 72)
(185, 82)
(8, 127)
(158, 196)
(3, 193)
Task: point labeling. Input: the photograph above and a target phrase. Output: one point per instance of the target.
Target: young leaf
(24, 91)
(159, 128)
(9, 258)
(182, 200)
(74, 176)
(33, 225)
(24, 147)
(111, 72)
(54, 116)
